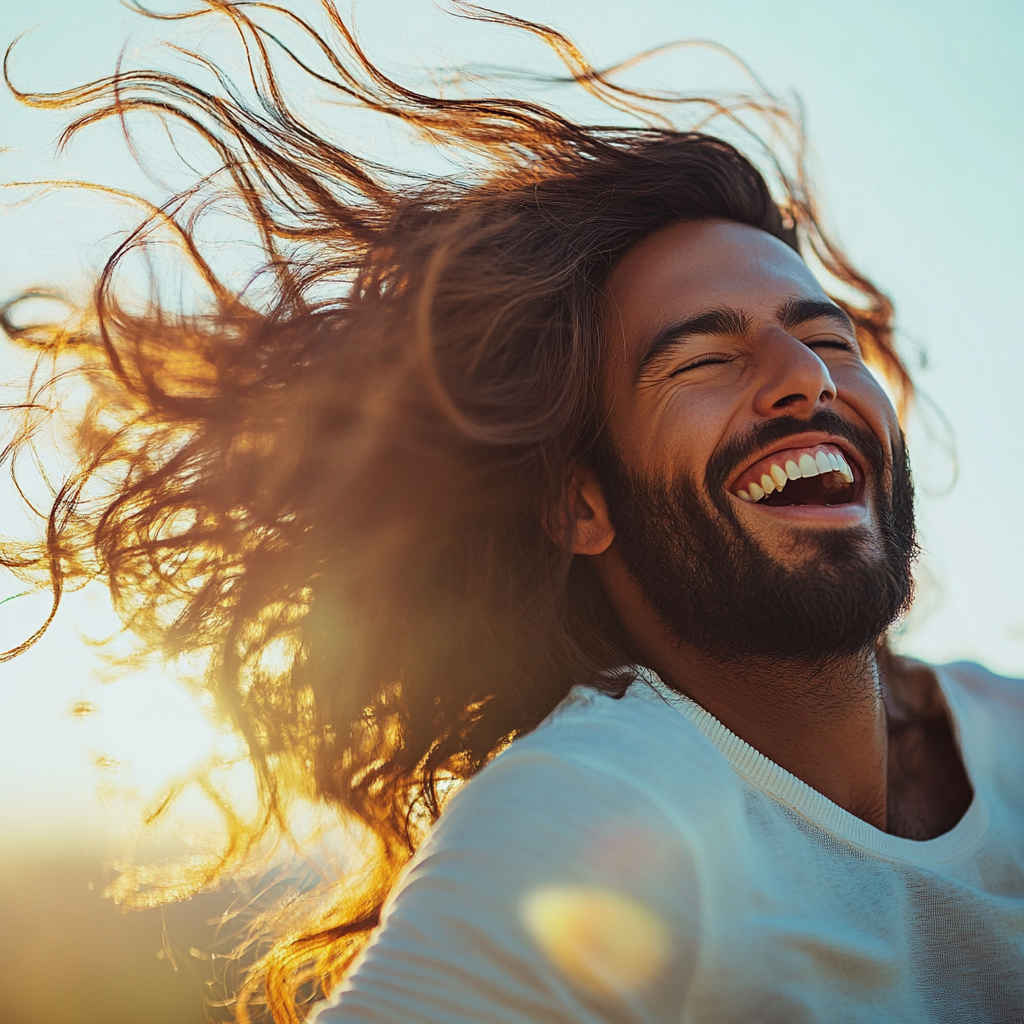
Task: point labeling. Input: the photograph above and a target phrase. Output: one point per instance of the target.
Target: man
(764, 827)
(560, 497)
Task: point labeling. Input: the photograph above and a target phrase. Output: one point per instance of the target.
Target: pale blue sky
(913, 110)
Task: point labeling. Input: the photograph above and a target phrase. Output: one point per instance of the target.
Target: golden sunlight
(599, 939)
(86, 757)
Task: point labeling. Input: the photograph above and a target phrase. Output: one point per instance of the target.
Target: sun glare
(81, 755)
(152, 728)
(601, 940)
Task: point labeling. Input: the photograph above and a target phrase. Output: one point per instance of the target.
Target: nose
(795, 380)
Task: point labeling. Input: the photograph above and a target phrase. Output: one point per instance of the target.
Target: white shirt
(634, 861)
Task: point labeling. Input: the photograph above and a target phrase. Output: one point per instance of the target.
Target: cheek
(870, 397)
(862, 393)
(677, 432)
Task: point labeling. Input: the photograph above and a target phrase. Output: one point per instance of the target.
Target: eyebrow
(799, 311)
(726, 321)
(722, 321)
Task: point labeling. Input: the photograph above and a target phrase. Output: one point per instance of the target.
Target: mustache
(737, 451)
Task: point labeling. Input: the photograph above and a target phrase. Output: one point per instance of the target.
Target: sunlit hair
(337, 486)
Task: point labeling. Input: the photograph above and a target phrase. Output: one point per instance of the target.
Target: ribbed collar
(773, 780)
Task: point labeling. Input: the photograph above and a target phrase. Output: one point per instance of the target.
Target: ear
(591, 531)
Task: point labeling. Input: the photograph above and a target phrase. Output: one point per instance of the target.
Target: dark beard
(718, 591)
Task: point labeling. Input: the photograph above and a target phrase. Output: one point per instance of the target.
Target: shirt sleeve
(549, 893)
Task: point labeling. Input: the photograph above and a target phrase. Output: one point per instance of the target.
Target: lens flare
(601, 940)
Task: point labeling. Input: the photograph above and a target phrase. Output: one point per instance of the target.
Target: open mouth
(816, 475)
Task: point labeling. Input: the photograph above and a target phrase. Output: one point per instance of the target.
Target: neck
(824, 723)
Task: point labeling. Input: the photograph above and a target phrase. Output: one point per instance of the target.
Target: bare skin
(877, 744)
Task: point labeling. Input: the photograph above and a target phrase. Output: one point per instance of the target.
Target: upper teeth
(810, 463)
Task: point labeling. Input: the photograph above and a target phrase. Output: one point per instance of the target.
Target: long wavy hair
(332, 484)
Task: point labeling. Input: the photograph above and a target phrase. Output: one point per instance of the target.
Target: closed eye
(837, 343)
(702, 361)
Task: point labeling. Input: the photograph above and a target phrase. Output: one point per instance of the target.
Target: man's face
(754, 472)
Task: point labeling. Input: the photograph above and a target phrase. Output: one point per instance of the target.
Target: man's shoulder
(601, 773)
(631, 748)
(985, 685)
(591, 726)
(919, 687)
(989, 709)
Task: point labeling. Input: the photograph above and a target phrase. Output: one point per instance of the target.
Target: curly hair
(334, 487)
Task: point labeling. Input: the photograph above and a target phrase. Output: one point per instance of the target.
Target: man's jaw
(809, 479)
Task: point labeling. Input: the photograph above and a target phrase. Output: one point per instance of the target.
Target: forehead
(685, 269)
